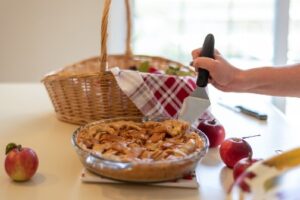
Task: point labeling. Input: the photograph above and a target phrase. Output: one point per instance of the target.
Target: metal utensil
(195, 104)
(244, 110)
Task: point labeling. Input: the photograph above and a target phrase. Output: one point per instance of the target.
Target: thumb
(204, 63)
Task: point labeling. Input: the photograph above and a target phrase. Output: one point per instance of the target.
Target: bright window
(294, 32)
(293, 104)
(173, 28)
(244, 32)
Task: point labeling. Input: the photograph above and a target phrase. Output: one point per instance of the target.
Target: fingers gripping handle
(207, 51)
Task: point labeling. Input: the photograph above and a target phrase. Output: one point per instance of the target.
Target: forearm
(276, 81)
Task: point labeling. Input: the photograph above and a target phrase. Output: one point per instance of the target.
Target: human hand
(223, 75)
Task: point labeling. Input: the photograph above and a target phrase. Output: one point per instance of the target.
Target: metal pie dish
(138, 171)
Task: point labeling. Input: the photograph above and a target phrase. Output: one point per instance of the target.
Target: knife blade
(195, 104)
(244, 110)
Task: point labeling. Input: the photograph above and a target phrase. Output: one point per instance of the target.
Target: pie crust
(153, 151)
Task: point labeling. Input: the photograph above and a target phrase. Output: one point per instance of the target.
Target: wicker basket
(86, 91)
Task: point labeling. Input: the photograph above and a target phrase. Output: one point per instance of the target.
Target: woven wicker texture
(86, 91)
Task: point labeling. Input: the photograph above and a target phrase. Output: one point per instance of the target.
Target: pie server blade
(195, 104)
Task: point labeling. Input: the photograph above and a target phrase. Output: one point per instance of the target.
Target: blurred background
(40, 36)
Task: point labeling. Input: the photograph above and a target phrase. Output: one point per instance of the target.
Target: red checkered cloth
(155, 94)
(169, 91)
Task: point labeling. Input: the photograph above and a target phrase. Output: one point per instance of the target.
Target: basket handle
(128, 50)
(103, 42)
(104, 25)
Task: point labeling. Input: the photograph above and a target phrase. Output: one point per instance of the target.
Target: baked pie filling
(134, 141)
(143, 142)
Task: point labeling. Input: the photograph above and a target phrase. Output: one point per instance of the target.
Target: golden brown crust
(136, 141)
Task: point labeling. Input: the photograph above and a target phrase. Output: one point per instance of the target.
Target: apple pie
(155, 151)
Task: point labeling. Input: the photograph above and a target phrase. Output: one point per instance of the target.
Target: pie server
(195, 104)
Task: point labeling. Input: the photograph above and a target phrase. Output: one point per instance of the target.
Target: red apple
(242, 165)
(21, 163)
(214, 131)
(234, 149)
(152, 69)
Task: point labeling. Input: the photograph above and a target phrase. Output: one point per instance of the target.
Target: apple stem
(278, 151)
(251, 136)
(250, 156)
(19, 147)
(213, 121)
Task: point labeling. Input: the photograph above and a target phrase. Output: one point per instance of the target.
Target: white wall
(38, 36)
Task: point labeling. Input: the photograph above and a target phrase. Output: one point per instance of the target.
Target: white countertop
(27, 117)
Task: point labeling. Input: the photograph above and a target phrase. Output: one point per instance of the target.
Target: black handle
(207, 51)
